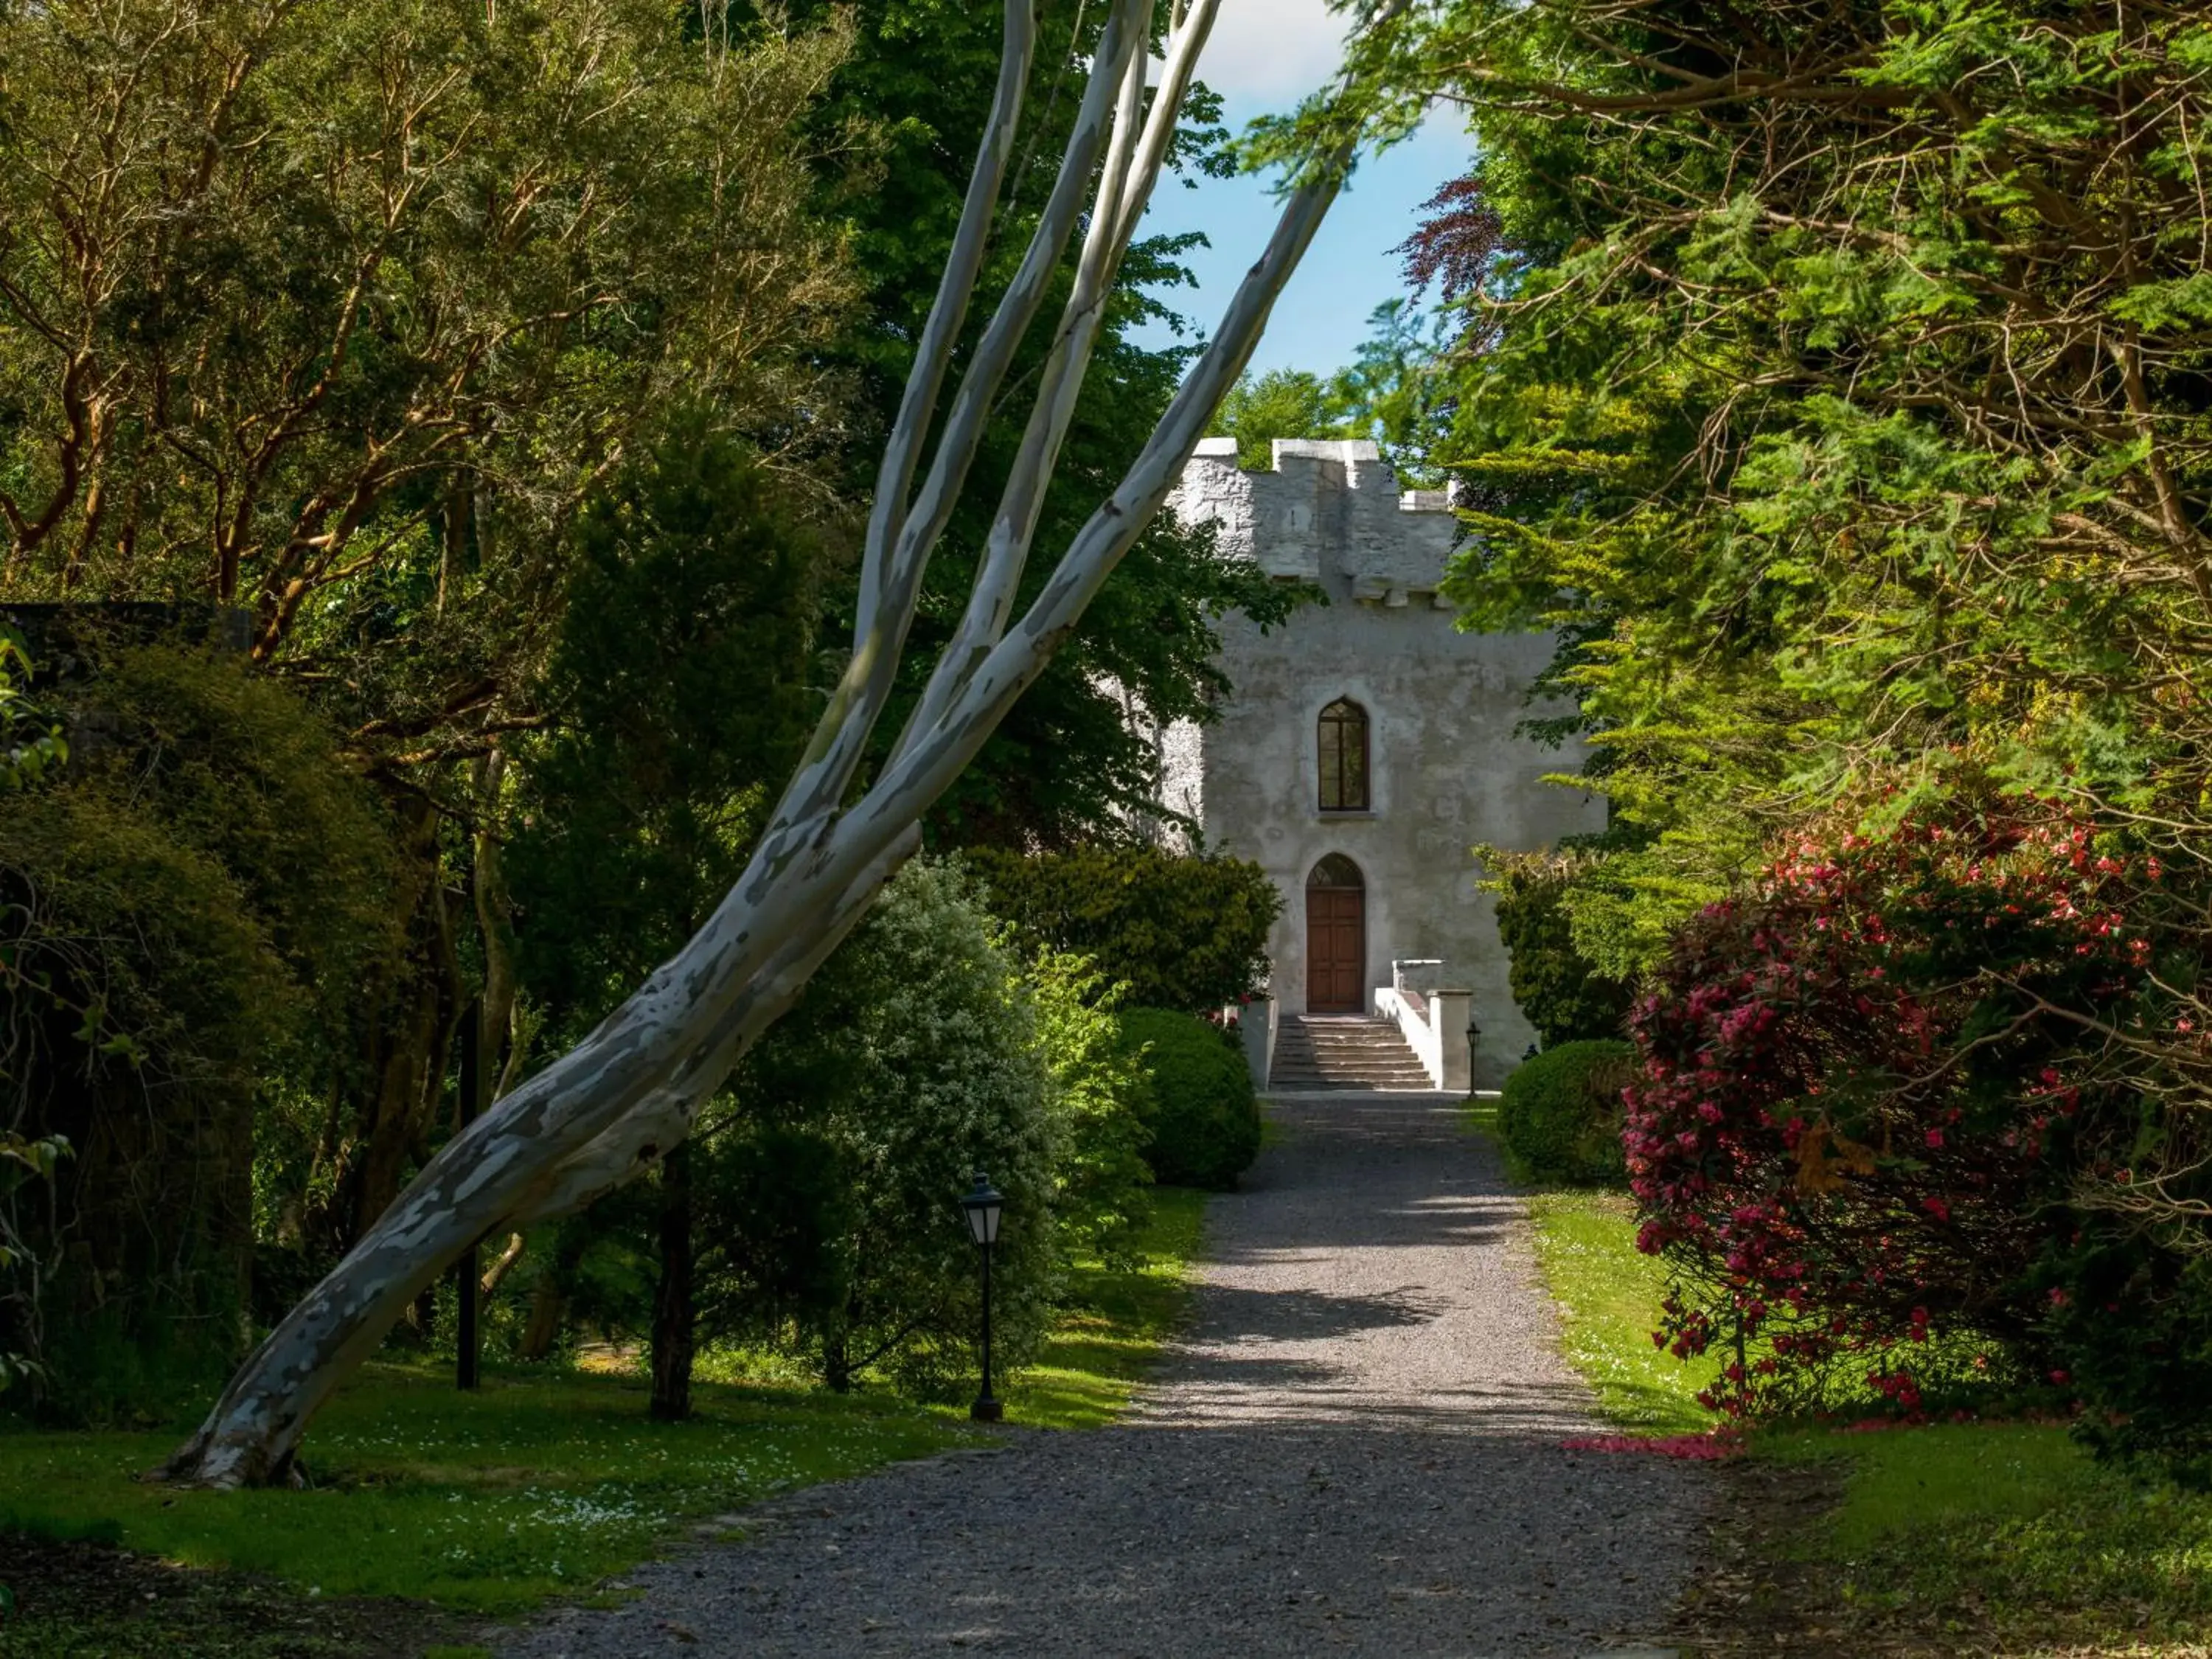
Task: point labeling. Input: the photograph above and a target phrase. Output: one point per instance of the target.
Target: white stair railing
(1434, 1021)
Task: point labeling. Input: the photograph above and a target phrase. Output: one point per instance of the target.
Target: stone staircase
(1344, 1051)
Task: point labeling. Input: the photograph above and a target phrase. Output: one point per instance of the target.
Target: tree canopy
(1833, 380)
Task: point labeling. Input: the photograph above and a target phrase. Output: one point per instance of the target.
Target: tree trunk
(614, 1106)
(501, 1025)
(403, 1065)
(674, 1309)
(549, 1301)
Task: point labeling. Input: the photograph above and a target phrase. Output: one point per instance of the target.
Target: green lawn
(2003, 1537)
(1114, 1322)
(1608, 1294)
(535, 1486)
(2012, 1528)
(545, 1483)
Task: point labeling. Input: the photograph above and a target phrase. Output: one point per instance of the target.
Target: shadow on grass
(537, 1486)
(1114, 1320)
(75, 1602)
(1955, 1539)
(546, 1482)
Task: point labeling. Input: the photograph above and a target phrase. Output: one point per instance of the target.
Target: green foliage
(1100, 1095)
(21, 1162)
(911, 1061)
(678, 686)
(195, 909)
(2130, 1322)
(1565, 997)
(1205, 1118)
(1188, 933)
(31, 740)
(246, 773)
(1560, 1113)
(493, 320)
(1720, 404)
(1384, 394)
(1283, 402)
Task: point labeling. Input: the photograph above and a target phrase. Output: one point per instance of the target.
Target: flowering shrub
(912, 1059)
(1874, 1091)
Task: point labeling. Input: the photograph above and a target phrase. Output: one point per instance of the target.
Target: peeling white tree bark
(608, 1109)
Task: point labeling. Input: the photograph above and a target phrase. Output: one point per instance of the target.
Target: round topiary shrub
(1560, 1113)
(1204, 1118)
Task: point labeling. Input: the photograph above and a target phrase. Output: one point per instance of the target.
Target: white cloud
(1270, 52)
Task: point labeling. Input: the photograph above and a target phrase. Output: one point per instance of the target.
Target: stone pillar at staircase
(1450, 1009)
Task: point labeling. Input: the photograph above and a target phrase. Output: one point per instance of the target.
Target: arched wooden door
(1336, 937)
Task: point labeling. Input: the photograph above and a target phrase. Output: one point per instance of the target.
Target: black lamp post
(466, 1296)
(983, 1205)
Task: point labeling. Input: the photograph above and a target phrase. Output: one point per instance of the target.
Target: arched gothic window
(1344, 757)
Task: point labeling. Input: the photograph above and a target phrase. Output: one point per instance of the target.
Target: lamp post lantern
(984, 1206)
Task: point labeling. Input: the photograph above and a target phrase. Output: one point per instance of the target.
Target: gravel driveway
(1355, 1451)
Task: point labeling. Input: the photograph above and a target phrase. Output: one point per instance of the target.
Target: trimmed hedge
(1187, 934)
(1203, 1116)
(1560, 1113)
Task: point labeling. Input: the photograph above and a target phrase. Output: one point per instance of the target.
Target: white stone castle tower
(1368, 744)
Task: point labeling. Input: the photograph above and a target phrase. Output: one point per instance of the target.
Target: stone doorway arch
(1336, 937)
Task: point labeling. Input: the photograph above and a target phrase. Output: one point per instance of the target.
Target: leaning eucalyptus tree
(610, 1108)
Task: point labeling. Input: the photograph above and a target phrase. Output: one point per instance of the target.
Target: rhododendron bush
(1889, 1103)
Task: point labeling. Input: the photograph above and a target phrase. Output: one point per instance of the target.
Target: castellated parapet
(1330, 513)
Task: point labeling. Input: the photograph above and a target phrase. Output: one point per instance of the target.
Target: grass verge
(2002, 1538)
(1608, 1298)
(1112, 1323)
(492, 1502)
(542, 1485)
(1607, 1293)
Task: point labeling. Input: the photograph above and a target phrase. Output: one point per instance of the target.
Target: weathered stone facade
(1446, 766)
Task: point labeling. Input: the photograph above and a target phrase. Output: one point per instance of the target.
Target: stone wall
(1448, 767)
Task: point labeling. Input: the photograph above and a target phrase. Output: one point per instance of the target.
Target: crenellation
(1330, 511)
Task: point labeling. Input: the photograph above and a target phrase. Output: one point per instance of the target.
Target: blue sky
(1263, 57)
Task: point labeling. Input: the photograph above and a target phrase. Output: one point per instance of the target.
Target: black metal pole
(986, 1409)
(464, 1271)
